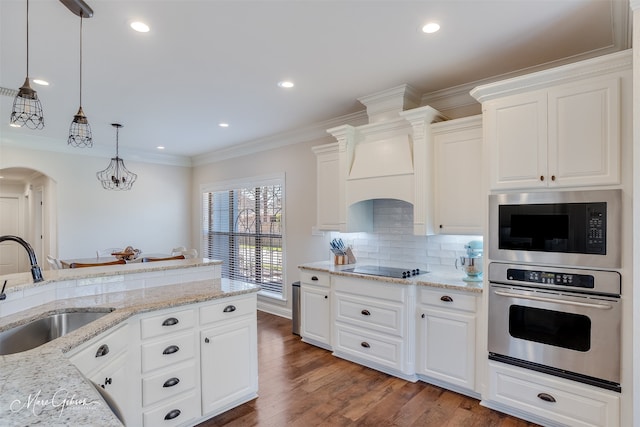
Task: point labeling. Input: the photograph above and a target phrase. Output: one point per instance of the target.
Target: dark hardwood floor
(302, 385)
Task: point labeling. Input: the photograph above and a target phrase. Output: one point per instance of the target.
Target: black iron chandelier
(116, 176)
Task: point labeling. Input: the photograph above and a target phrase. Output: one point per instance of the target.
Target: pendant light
(27, 109)
(80, 131)
(116, 176)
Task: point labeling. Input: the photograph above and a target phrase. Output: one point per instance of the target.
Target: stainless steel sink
(41, 331)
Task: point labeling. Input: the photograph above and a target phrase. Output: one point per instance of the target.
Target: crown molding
(46, 144)
(310, 133)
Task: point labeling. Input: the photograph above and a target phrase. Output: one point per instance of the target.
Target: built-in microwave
(571, 228)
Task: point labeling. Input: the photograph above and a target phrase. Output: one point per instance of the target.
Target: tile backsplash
(393, 244)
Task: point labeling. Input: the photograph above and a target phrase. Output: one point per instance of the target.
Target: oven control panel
(551, 278)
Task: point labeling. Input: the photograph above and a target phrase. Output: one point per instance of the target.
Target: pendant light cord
(80, 59)
(27, 38)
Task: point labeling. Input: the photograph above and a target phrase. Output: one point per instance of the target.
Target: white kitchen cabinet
(315, 308)
(562, 136)
(327, 187)
(447, 338)
(550, 400)
(459, 186)
(105, 361)
(228, 354)
(372, 324)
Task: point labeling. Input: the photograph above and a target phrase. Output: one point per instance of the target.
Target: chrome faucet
(36, 273)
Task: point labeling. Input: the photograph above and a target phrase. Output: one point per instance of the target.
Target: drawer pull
(314, 278)
(206, 340)
(172, 414)
(103, 350)
(108, 381)
(170, 321)
(171, 382)
(365, 312)
(446, 298)
(229, 309)
(171, 349)
(546, 397)
(365, 344)
(326, 296)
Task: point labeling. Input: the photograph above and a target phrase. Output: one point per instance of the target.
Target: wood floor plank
(302, 386)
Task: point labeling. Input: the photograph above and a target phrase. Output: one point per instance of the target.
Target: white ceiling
(204, 62)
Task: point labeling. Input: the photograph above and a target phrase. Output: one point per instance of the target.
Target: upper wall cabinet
(556, 128)
(459, 189)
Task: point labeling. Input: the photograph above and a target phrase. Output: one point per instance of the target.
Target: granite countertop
(42, 386)
(439, 277)
(20, 281)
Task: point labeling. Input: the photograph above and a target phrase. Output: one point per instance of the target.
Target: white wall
(154, 216)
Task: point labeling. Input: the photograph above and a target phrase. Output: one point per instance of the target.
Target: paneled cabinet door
(113, 378)
(565, 136)
(328, 185)
(229, 365)
(446, 347)
(459, 178)
(316, 315)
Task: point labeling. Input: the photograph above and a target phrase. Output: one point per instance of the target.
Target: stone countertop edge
(41, 385)
(443, 277)
(20, 281)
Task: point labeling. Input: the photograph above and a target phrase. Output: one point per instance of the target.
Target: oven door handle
(555, 300)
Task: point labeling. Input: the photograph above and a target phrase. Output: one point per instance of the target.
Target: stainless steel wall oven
(561, 321)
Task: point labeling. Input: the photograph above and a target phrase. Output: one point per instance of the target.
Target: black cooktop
(376, 270)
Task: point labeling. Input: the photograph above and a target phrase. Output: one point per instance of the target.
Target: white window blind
(243, 227)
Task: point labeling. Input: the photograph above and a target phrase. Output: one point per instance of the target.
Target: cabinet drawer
(169, 383)
(381, 350)
(176, 412)
(228, 309)
(171, 350)
(369, 313)
(575, 404)
(166, 323)
(315, 278)
(101, 350)
(445, 298)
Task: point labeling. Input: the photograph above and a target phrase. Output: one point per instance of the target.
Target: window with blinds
(243, 228)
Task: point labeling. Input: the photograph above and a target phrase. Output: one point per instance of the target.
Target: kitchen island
(42, 385)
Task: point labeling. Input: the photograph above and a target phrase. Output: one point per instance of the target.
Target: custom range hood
(390, 157)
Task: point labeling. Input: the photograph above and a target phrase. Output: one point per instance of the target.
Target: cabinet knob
(365, 312)
(171, 349)
(541, 178)
(229, 309)
(422, 315)
(170, 321)
(108, 381)
(103, 350)
(440, 226)
(546, 397)
(314, 278)
(553, 177)
(171, 382)
(446, 298)
(365, 344)
(206, 340)
(172, 414)
(326, 296)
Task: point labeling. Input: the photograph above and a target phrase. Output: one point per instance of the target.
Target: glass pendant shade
(116, 176)
(27, 109)
(80, 131)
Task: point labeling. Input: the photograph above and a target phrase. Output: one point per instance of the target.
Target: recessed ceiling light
(41, 82)
(160, 147)
(286, 84)
(223, 125)
(140, 27)
(431, 27)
